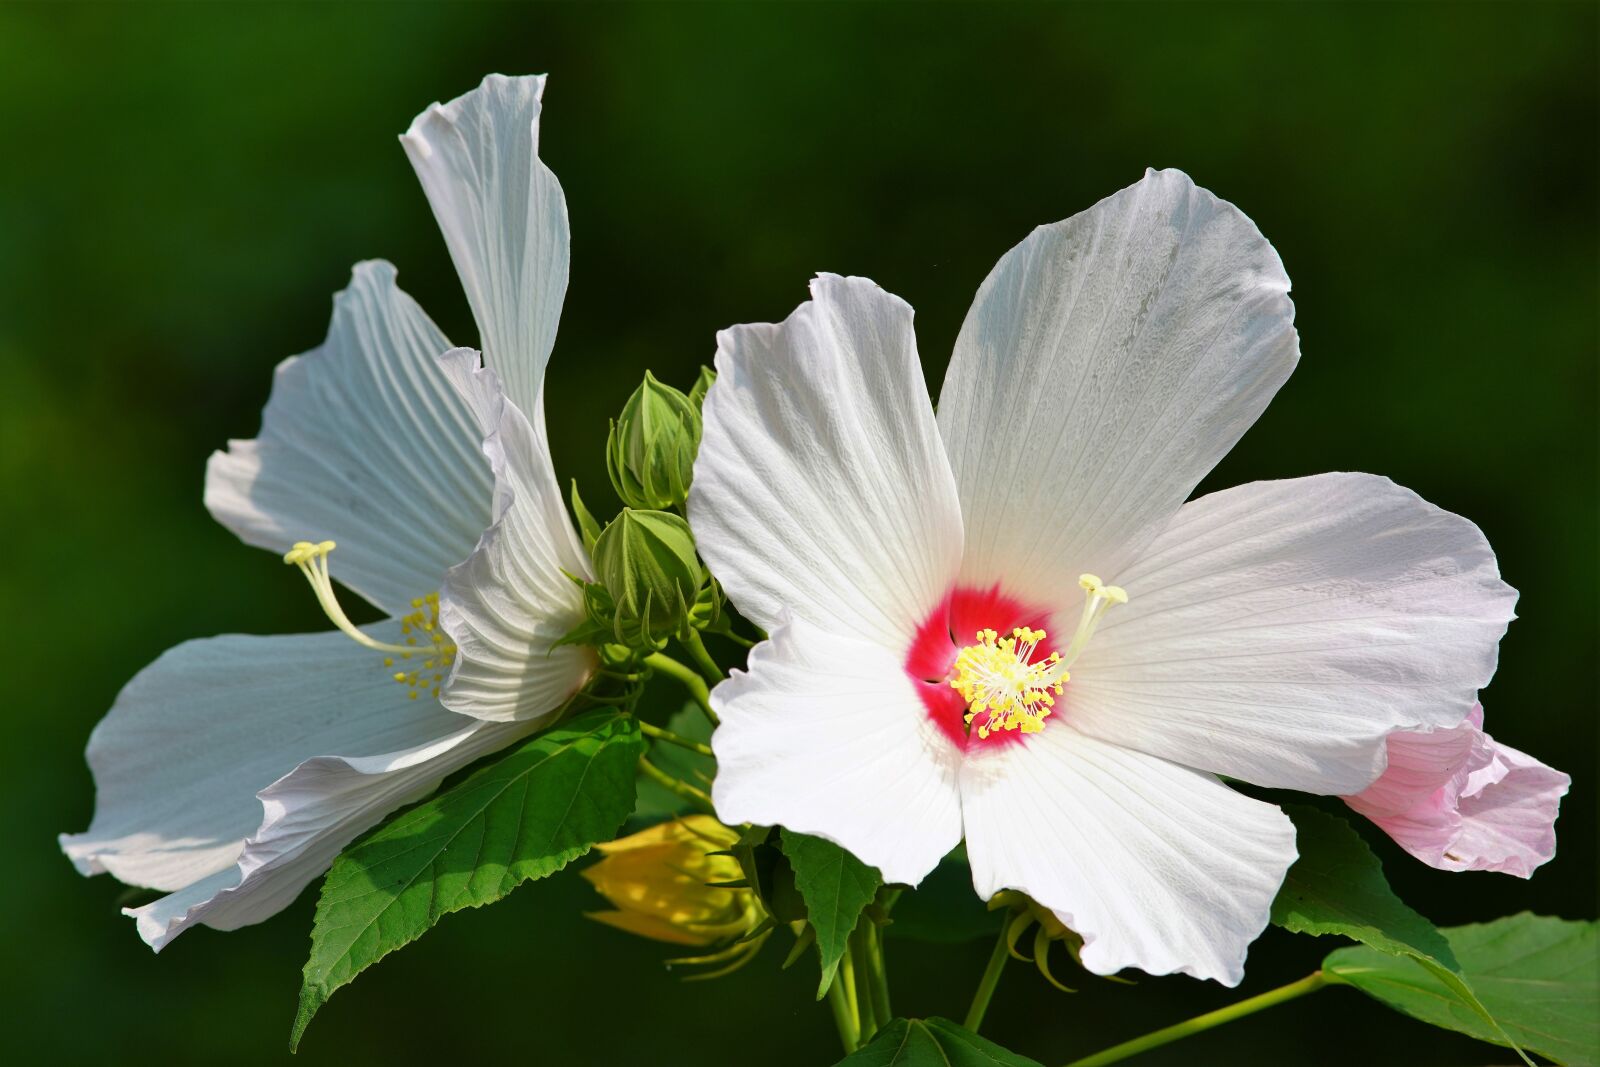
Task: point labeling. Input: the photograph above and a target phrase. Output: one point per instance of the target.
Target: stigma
(1006, 687)
(426, 653)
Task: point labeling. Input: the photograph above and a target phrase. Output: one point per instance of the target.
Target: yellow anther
(312, 559)
(1005, 689)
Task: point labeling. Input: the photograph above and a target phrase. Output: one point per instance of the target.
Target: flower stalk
(1210, 1020)
(677, 786)
(687, 677)
(652, 731)
(702, 658)
(986, 984)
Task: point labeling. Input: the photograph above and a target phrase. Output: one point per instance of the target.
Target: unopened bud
(646, 562)
(650, 452)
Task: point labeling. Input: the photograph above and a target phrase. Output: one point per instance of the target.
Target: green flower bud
(650, 452)
(646, 562)
(702, 384)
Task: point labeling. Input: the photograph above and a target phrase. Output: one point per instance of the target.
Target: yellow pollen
(312, 559)
(1005, 687)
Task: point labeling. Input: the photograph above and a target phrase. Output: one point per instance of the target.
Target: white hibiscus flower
(233, 770)
(943, 661)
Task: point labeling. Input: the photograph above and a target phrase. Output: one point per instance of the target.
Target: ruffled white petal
(504, 219)
(232, 769)
(1278, 631)
(311, 814)
(821, 487)
(508, 603)
(365, 443)
(1156, 866)
(826, 735)
(1107, 363)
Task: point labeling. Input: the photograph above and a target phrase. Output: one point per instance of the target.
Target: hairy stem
(1201, 1023)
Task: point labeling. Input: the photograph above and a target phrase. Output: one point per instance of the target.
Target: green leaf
(543, 805)
(835, 886)
(1337, 887)
(944, 908)
(1538, 977)
(656, 801)
(932, 1043)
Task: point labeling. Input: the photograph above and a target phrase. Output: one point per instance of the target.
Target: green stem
(867, 979)
(990, 979)
(849, 1030)
(877, 972)
(702, 658)
(847, 972)
(689, 679)
(1201, 1023)
(650, 730)
(676, 785)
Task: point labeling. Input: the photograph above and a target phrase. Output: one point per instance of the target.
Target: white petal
(1108, 362)
(509, 602)
(193, 740)
(504, 218)
(1278, 631)
(365, 443)
(821, 486)
(311, 814)
(826, 735)
(1156, 866)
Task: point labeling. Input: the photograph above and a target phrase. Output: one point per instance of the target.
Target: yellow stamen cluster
(1004, 687)
(422, 625)
(999, 681)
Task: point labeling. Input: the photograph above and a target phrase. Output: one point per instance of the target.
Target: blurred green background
(183, 188)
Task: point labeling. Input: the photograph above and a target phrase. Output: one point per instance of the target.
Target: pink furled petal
(1510, 825)
(1457, 800)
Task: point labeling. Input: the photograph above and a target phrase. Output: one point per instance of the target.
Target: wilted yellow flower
(664, 884)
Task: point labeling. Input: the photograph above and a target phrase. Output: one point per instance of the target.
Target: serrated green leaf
(1337, 887)
(540, 807)
(1538, 977)
(835, 887)
(932, 1043)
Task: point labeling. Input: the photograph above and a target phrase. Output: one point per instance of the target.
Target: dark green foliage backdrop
(183, 188)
